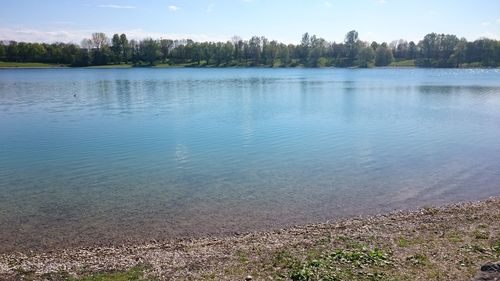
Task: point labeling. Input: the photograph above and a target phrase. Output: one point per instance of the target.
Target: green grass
(112, 66)
(5, 64)
(403, 242)
(496, 249)
(403, 63)
(342, 264)
(166, 65)
(133, 274)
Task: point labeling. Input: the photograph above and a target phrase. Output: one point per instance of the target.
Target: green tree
(365, 57)
(434, 50)
(284, 54)
(238, 47)
(255, 49)
(228, 50)
(352, 43)
(125, 55)
(305, 48)
(318, 48)
(165, 48)
(459, 54)
(149, 51)
(116, 48)
(412, 51)
(383, 56)
(2, 51)
(270, 53)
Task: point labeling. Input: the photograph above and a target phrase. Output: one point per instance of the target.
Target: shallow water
(114, 155)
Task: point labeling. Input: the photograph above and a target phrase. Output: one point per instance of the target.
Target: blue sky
(283, 20)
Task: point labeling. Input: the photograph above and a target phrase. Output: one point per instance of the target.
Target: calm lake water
(114, 155)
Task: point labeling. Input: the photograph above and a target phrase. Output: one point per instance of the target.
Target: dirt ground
(446, 243)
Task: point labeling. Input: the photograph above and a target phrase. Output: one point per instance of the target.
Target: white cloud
(173, 8)
(113, 6)
(328, 4)
(489, 35)
(25, 34)
(498, 20)
(485, 23)
(36, 35)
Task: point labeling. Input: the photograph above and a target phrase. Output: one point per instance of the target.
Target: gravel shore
(445, 243)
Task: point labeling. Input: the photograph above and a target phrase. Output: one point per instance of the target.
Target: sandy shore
(446, 243)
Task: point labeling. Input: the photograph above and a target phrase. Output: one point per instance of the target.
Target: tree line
(434, 50)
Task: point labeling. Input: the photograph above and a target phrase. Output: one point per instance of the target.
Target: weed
(403, 242)
(481, 234)
(418, 259)
(133, 274)
(339, 264)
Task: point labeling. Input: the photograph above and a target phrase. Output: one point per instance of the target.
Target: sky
(219, 20)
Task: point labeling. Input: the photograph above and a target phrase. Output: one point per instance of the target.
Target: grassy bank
(7, 65)
(447, 243)
(111, 66)
(4, 64)
(403, 63)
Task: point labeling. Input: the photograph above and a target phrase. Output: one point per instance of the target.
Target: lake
(99, 156)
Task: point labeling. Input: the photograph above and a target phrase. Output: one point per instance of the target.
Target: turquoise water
(96, 156)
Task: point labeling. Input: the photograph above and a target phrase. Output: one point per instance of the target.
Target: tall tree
(352, 44)
(365, 57)
(149, 51)
(125, 48)
(99, 40)
(2, 50)
(383, 56)
(255, 49)
(228, 50)
(412, 51)
(116, 48)
(305, 48)
(165, 48)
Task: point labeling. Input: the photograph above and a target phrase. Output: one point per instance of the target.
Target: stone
(489, 272)
(490, 267)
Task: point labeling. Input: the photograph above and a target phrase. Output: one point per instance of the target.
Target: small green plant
(496, 249)
(302, 274)
(481, 234)
(284, 259)
(403, 242)
(478, 249)
(242, 256)
(455, 237)
(362, 257)
(25, 274)
(338, 265)
(418, 259)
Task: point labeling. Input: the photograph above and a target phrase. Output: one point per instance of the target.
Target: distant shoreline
(448, 243)
(129, 66)
(20, 65)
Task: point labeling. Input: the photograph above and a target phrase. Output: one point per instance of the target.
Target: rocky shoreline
(446, 243)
